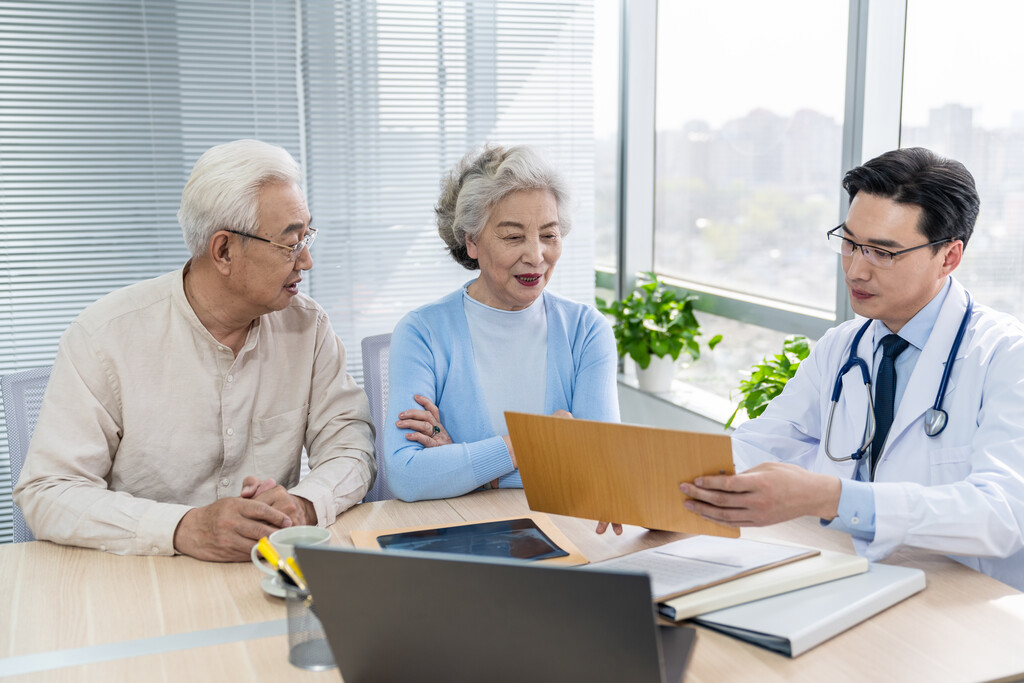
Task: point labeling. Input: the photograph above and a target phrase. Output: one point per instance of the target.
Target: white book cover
(697, 562)
(793, 623)
(827, 566)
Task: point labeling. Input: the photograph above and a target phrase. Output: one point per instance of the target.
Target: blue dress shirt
(856, 511)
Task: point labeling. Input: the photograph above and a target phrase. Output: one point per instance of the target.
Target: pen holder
(307, 644)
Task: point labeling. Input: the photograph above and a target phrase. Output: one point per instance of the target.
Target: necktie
(885, 394)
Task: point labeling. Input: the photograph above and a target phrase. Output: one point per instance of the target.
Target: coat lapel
(924, 382)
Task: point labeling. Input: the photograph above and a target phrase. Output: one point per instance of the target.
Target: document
(795, 622)
(701, 561)
(827, 566)
(617, 472)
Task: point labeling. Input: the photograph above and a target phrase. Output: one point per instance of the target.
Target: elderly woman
(498, 343)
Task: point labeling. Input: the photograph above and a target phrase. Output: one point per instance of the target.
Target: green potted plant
(653, 326)
(768, 378)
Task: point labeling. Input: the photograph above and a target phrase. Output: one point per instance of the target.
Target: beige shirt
(147, 415)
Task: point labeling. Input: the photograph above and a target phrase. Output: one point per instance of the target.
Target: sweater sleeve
(413, 472)
(595, 392)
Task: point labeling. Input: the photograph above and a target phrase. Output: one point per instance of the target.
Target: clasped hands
(226, 530)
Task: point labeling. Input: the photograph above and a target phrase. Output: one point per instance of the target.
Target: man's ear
(953, 256)
(221, 252)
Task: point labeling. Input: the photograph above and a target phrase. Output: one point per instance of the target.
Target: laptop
(422, 616)
(616, 472)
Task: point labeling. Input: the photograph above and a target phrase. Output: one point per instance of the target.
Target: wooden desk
(964, 627)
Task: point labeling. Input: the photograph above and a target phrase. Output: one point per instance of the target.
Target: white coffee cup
(285, 540)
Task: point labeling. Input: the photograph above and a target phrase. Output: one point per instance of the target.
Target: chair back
(22, 394)
(375, 383)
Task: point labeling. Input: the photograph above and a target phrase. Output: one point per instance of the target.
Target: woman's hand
(425, 424)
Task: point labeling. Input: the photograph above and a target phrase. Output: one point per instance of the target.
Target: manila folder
(615, 472)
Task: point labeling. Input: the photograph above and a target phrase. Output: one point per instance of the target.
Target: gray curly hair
(224, 187)
(481, 180)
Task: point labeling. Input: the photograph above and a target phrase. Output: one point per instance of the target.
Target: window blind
(104, 107)
(396, 93)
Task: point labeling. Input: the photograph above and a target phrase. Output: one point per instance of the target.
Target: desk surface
(963, 627)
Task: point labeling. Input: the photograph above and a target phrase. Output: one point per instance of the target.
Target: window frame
(871, 125)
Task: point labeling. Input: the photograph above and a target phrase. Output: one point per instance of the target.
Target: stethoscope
(935, 418)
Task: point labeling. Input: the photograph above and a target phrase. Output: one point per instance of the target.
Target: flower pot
(657, 377)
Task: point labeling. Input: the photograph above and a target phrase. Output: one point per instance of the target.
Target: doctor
(958, 491)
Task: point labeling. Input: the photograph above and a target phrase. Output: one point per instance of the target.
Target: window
(749, 141)
(953, 105)
(396, 93)
(105, 108)
(605, 74)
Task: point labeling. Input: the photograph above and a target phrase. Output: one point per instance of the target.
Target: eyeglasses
(883, 258)
(293, 249)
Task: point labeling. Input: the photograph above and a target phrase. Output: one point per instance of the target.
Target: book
(793, 623)
(827, 566)
(699, 562)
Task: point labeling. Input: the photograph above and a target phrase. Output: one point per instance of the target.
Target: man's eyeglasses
(876, 256)
(293, 249)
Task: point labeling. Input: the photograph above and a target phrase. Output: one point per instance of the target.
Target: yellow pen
(269, 552)
(294, 566)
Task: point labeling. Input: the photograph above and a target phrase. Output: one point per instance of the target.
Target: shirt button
(231, 432)
(225, 482)
(103, 548)
(854, 520)
(155, 549)
(231, 378)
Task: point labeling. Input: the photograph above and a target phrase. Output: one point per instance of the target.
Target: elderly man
(178, 407)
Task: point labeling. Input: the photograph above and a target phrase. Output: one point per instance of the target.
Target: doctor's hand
(425, 425)
(226, 530)
(769, 493)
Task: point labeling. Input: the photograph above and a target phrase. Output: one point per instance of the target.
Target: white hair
(483, 179)
(223, 190)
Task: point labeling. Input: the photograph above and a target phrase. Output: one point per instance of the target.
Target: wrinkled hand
(254, 486)
(603, 526)
(769, 493)
(299, 510)
(425, 424)
(226, 530)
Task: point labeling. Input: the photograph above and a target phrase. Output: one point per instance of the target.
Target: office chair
(375, 382)
(22, 397)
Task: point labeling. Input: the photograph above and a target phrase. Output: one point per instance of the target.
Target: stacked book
(786, 598)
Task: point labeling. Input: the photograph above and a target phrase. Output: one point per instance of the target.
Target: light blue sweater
(431, 354)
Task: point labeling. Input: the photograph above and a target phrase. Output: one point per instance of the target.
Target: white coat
(960, 493)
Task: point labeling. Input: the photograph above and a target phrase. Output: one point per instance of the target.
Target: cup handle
(262, 564)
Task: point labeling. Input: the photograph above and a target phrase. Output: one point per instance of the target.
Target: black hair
(943, 188)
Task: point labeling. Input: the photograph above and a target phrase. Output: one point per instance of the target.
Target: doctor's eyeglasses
(883, 258)
(293, 249)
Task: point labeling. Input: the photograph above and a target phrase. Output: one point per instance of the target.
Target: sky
(717, 60)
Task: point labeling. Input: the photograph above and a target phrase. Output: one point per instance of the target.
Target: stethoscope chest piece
(935, 418)
(934, 421)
